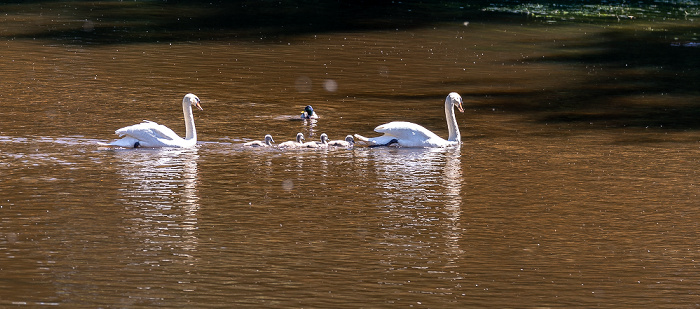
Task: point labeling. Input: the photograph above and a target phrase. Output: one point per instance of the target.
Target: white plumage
(408, 134)
(150, 134)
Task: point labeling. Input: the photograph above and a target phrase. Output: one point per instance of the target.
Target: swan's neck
(452, 127)
(191, 133)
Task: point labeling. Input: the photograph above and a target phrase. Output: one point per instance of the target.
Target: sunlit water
(562, 193)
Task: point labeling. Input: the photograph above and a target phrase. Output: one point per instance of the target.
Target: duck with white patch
(309, 113)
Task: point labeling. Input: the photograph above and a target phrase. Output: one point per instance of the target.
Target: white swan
(407, 134)
(349, 141)
(309, 113)
(151, 134)
(294, 144)
(266, 143)
(322, 144)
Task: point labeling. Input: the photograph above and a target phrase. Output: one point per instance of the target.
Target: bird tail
(362, 141)
(126, 142)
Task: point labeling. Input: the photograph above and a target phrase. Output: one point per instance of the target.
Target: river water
(576, 183)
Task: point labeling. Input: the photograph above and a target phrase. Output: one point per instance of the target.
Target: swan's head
(268, 139)
(324, 138)
(192, 99)
(309, 110)
(350, 139)
(456, 100)
(300, 137)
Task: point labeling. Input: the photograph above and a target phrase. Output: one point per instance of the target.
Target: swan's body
(322, 144)
(408, 134)
(294, 144)
(349, 141)
(309, 113)
(266, 143)
(150, 134)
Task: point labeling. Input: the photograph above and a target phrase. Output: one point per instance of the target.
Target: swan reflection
(159, 193)
(421, 203)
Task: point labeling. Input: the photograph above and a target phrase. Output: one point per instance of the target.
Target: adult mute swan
(349, 141)
(322, 144)
(151, 134)
(407, 134)
(267, 143)
(309, 113)
(294, 144)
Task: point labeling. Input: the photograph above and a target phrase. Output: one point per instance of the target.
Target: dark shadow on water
(638, 79)
(649, 79)
(83, 22)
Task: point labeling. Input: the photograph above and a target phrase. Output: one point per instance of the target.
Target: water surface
(576, 183)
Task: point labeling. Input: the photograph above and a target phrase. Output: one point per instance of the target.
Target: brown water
(576, 183)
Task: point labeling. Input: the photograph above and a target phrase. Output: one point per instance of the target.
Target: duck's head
(324, 138)
(192, 99)
(456, 100)
(350, 139)
(300, 137)
(268, 139)
(309, 110)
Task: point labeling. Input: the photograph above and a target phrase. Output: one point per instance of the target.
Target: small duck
(294, 144)
(348, 142)
(267, 143)
(322, 144)
(309, 113)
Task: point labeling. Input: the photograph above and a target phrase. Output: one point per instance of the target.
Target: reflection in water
(567, 193)
(421, 204)
(160, 192)
(452, 183)
(310, 125)
(89, 240)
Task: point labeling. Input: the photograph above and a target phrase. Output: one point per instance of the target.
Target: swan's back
(408, 134)
(148, 129)
(403, 129)
(150, 134)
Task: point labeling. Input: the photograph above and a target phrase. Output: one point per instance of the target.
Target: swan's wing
(402, 130)
(148, 130)
(408, 134)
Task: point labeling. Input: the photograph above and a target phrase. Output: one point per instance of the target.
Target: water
(576, 183)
